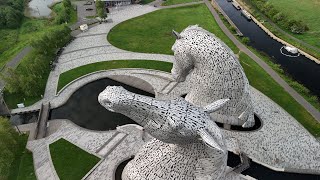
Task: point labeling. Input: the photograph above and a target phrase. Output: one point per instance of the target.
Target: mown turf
(151, 33)
(306, 10)
(71, 162)
(172, 2)
(73, 74)
(259, 79)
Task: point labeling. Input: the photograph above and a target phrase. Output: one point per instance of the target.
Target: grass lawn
(71, 162)
(306, 10)
(73, 74)
(22, 167)
(151, 33)
(259, 79)
(172, 2)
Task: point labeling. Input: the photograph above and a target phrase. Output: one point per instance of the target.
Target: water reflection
(300, 68)
(84, 109)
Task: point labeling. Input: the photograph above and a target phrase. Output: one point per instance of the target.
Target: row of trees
(64, 15)
(295, 26)
(30, 77)
(11, 13)
(101, 9)
(8, 147)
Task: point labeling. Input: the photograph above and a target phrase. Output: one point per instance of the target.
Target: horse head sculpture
(174, 123)
(216, 74)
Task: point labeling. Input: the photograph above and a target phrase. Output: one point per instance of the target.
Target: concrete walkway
(313, 111)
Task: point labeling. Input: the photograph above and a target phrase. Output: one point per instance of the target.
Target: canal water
(83, 107)
(302, 69)
(39, 8)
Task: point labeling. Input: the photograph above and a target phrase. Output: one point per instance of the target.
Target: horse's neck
(142, 107)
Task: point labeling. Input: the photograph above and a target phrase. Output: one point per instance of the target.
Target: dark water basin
(256, 170)
(83, 107)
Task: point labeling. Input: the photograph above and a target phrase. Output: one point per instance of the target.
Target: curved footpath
(312, 110)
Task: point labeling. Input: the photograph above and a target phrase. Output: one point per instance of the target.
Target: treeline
(295, 26)
(30, 77)
(64, 14)
(11, 13)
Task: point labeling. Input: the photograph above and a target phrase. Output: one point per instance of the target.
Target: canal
(301, 69)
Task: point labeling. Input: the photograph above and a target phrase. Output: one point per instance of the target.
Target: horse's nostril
(106, 102)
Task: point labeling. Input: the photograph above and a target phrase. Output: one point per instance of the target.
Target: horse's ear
(216, 105)
(207, 138)
(176, 34)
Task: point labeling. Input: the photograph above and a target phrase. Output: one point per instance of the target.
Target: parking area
(85, 9)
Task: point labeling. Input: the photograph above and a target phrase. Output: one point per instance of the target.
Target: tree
(12, 80)
(101, 9)
(245, 40)
(12, 17)
(8, 147)
(67, 4)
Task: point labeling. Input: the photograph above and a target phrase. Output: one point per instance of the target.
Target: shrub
(11, 13)
(245, 40)
(278, 17)
(101, 9)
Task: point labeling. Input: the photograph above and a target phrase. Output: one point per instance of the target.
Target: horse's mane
(200, 29)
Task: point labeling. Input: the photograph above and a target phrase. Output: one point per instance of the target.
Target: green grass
(291, 7)
(172, 2)
(71, 162)
(259, 79)
(151, 33)
(22, 167)
(73, 74)
(306, 10)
